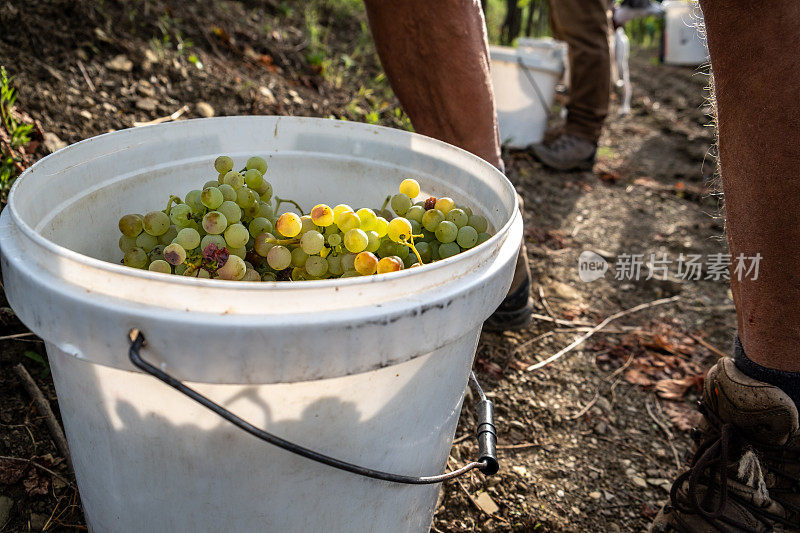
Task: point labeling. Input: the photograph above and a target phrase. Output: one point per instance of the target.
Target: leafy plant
(41, 360)
(18, 134)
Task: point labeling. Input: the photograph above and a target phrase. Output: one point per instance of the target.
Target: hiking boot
(567, 152)
(745, 475)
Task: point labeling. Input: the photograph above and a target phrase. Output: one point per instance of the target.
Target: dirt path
(588, 442)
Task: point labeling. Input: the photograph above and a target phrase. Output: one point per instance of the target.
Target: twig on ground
(86, 76)
(175, 116)
(16, 336)
(462, 438)
(667, 433)
(41, 467)
(580, 340)
(520, 446)
(585, 408)
(546, 305)
(44, 409)
(710, 348)
(560, 321)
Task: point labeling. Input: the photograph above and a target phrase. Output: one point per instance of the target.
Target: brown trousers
(584, 26)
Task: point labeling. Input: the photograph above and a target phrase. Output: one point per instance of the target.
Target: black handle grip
(487, 438)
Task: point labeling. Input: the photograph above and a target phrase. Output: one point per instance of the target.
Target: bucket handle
(539, 95)
(487, 434)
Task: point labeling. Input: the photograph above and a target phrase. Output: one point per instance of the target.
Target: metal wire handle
(539, 95)
(487, 435)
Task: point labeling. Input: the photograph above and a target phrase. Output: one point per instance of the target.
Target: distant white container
(524, 81)
(684, 43)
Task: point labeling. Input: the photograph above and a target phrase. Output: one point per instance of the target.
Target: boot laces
(710, 467)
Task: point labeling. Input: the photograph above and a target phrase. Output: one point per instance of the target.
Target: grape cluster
(229, 230)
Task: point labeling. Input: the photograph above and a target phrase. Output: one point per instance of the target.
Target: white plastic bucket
(684, 43)
(368, 370)
(524, 81)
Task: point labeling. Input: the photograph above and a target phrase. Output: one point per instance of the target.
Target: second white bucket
(684, 43)
(524, 81)
(367, 370)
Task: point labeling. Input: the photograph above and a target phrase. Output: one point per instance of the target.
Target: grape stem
(386, 202)
(283, 241)
(405, 242)
(173, 198)
(288, 201)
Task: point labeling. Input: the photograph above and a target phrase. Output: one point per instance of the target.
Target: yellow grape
(322, 215)
(389, 264)
(289, 225)
(339, 210)
(366, 263)
(399, 229)
(410, 188)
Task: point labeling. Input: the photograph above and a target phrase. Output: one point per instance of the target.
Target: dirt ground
(587, 443)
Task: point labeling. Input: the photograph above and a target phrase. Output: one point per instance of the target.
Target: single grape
(299, 257)
(180, 270)
(214, 222)
(135, 257)
(234, 179)
(131, 225)
(217, 240)
(415, 212)
(381, 226)
(257, 163)
(156, 223)
(335, 239)
(269, 276)
(169, 236)
(188, 238)
(366, 263)
(446, 232)
(428, 236)
(368, 218)
(386, 248)
(448, 249)
(401, 204)
(246, 197)
(347, 221)
(261, 246)
(390, 264)
(466, 209)
(416, 227)
(126, 243)
(180, 215)
(483, 237)
(223, 164)
(457, 217)
(401, 250)
(322, 215)
(350, 274)
(265, 210)
(231, 211)
(253, 179)
(307, 224)
(211, 197)
(239, 252)
(334, 264)
(298, 274)
(192, 197)
(156, 253)
(234, 269)
(260, 225)
(174, 254)
(409, 187)
(279, 257)
(249, 213)
(355, 240)
(409, 260)
(434, 250)
(212, 183)
(424, 251)
(265, 191)
(339, 210)
(431, 219)
(312, 242)
(348, 261)
(445, 204)
(289, 225)
(146, 241)
(467, 237)
(374, 241)
(159, 265)
(399, 229)
(251, 275)
(430, 203)
(228, 192)
(316, 266)
(236, 235)
(480, 223)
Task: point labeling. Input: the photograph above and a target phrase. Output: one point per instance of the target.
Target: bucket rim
(88, 261)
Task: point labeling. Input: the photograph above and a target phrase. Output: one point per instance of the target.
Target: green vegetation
(15, 137)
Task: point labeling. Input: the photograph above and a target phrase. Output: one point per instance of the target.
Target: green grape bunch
(231, 230)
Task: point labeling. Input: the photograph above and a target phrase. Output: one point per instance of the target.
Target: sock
(788, 382)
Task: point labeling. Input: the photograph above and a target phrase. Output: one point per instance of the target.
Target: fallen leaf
(637, 377)
(486, 503)
(682, 415)
(675, 389)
